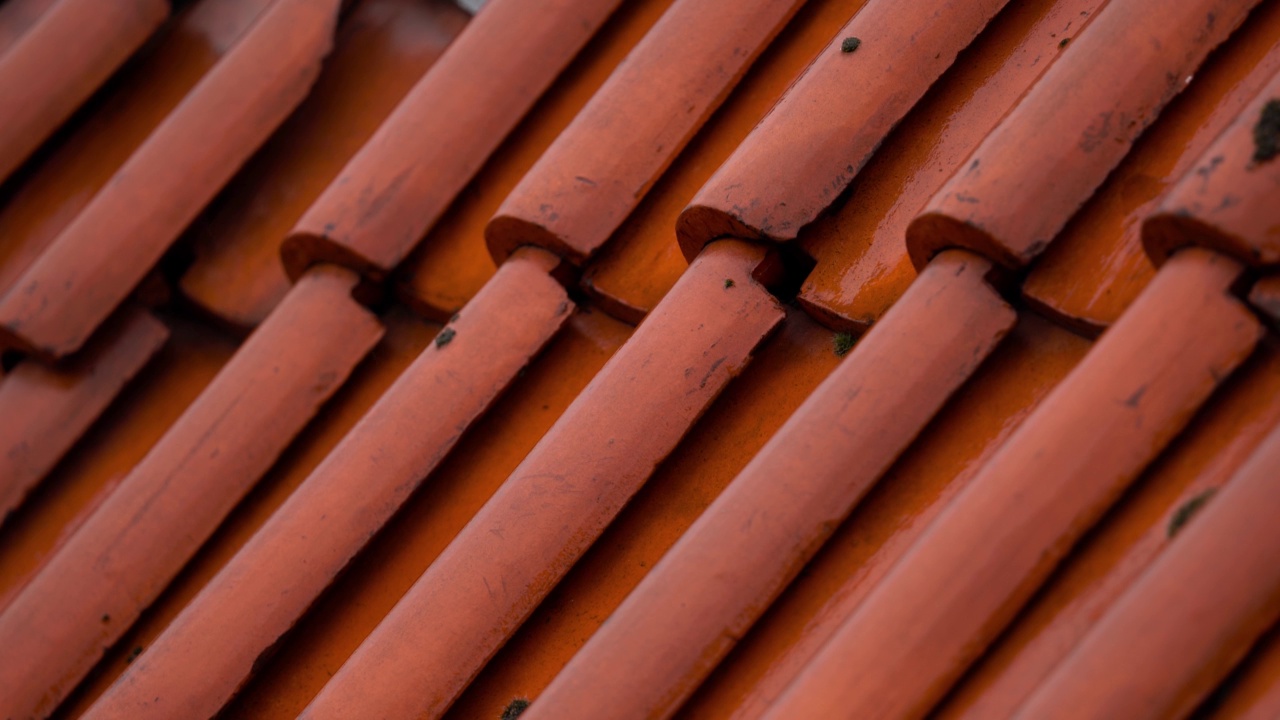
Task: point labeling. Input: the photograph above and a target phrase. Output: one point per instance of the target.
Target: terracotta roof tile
(600, 167)
(58, 404)
(1096, 267)
(58, 60)
(970, 507)
(404, 177)
(64, 183)
(862, 264)
(639, 264)
(449, 266)
(1043, 161)
(116, 563)
(380, 51)
(101, 255)
(1212, 448)
(996, 542)
(1187, 620)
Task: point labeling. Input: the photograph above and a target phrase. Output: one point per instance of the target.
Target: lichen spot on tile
(515, 708)
(1063, 42)
(850, 44)
(133, 654)
(728, 283)
(842, 343)
(445, 337)
(1183, 515)
(1266, 134)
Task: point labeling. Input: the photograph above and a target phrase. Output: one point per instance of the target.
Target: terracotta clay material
(1228, 202)
(862, 264)
(400, 183)
(44, 410)
(1051, 152)
(546, 515)
(1265, 296)
(449, 266)
(1169, 641)
(18, 16)
(60, 61)
(1096, 267)
(810, 147)
(381, 50)
(123, 555)
(599, 168)
(717, 579)
(147, 89)
(278, 574)
(988, 551)
(640, 263)
(112, 243)
(1221, 438)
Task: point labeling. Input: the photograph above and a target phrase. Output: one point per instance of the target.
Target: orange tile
(1169, 640)
(1212, 448)
(640, 263)
(1095, 268)
(311, 538)
(862, 264)
(719, 577)
(786, 368)
(1034, 171)
(1254, 694)
(546, 515)
(805, 153)
(465, 479)
(89, 592)
(950, 450)
(138, 418)
(380, 51)
(148, 89)
(404, 339)
(17, 16)
(1227, 202)
(60, 60)
(452, 263)
(101, 255)
(981, 559)
(591, 178)
(401, 181)
(46, 409)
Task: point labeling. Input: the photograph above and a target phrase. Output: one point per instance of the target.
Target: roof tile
(404, 178)
(753, 539)
(382, 48)
(640, 263)
(578, 477)
(350, 495)
(587, 183)
(1044, 160)
(1227, 201)
(124, 554)
(1213, 447)
(973, 425)
(986, 553)
(1096, 266)
(862, 264)
(99, 258)
(802, 156)
(58, 404)
(1167, 642)
(149, 88)
(449, 266)
(60, 60)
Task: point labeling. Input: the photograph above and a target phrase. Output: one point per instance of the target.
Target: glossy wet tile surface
(642, 358)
